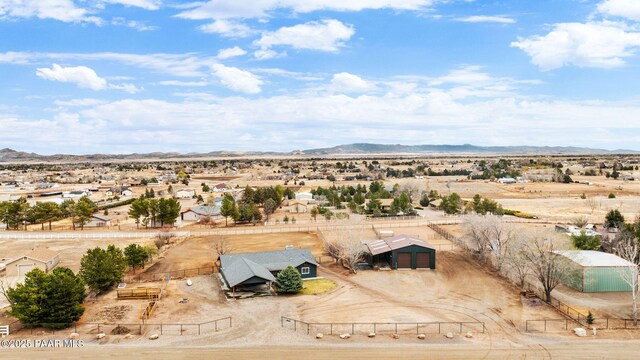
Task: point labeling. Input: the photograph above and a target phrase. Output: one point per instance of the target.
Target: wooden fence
(139, 293)
(390, 328)
(174, 274)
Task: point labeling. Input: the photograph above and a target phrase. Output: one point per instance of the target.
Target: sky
(125, 76)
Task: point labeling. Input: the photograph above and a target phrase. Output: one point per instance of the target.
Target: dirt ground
(199, 251)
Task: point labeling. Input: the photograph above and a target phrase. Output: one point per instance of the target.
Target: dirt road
(565, 350)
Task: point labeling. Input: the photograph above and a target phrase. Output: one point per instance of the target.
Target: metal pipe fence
(556, 325)
(434, 327)
(120, 329)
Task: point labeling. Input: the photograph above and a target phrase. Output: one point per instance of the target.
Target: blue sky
(121, 76)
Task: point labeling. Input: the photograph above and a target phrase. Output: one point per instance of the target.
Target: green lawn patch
(317, 286)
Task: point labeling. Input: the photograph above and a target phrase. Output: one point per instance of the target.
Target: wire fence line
(383, 327)
(207, 327)
(552, 325)
(174, 274)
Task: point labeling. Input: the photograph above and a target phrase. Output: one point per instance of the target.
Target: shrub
(612, 196)
(289, 281)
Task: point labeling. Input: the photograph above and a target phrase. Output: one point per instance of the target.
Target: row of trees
(453, 204)
(18, 213)
(154, 212)
(102, 268)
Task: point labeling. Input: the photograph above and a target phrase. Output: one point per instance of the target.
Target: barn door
(404, 260)
(423, 260)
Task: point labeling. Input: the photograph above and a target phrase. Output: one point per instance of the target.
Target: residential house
(38, 258)
(259, 268)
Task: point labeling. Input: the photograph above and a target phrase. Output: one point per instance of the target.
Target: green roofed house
(259, 268)
(596, 271)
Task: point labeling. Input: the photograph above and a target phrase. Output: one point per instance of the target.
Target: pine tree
(51, 300)
(100, 269)
(289, 281)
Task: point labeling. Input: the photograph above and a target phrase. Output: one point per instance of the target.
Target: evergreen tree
(135, 256)
(100, 269)
(586, 242)
(84, 210)
(614, 219)
(51, 300)
(289, 281)
(229, 208)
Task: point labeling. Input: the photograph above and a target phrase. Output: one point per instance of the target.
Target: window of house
(305, 270)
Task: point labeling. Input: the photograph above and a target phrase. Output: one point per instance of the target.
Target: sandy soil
(199, 251)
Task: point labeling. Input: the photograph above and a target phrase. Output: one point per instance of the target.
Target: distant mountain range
(364, 148)
(10, 155)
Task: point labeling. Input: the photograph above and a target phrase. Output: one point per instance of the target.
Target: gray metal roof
(393, 243)
(237, 268)
(204, 210)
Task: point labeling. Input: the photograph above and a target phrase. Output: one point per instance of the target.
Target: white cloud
(236, 79)
(325, 35)
(61, 10)
(350, 83)
(145, 4)
(128, 88)
(134, 24)
(622, 8)
(603, 44)
(79, 102)
(183, 83)
(227, 28)
(230, 52)
(463, 75)
(185, 65)
(266, 54)
(82, 76)
(250, 9)
(285, 122)
(487, 19)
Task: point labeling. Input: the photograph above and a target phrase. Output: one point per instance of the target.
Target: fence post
(140, 329)
(438, 327)
(545, 326)
(331, 327)
(98, 328)
(160, 329)
(215, 323)
(352, 328)
(460, 327)
(417, 329)
(396, 328)
(180, 329)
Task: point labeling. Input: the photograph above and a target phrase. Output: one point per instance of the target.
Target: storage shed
(596, 271)
(402, 252)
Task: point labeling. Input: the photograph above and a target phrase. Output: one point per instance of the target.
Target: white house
(41, 258)
(75, 194)
(98, 221)
(305, 196)
(185, 193)
(200, 213)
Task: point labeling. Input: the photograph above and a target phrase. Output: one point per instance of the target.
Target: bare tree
(628, 248)
(580, 221)
(413, 188)
(515, 265)
(546, 265)
(591, 203)
(346, 247)
(221, 246)
(490, 237)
